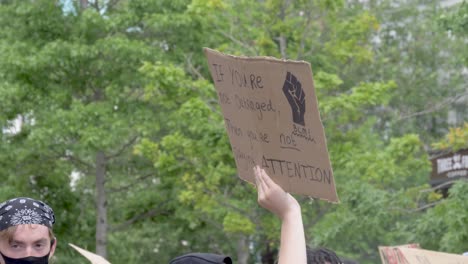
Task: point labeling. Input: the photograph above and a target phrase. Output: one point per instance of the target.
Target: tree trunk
(83, 4)
(101, 205)
(242, 250)
(283, 46)
(282, 39)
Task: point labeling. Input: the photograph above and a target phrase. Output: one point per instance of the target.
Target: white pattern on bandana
(25, 216)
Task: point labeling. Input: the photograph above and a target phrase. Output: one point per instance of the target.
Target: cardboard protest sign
(412, 254)
(272, 119)
(94, 258)
(421, 256)
(392, 255)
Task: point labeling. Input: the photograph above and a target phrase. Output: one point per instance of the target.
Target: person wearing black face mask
(26, 235)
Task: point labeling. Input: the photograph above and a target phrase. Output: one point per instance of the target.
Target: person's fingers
(258, 181)
(259, 172)
(267, 180)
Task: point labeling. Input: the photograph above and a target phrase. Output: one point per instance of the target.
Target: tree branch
(125, 188)
(150, 213)
(75, 160)
(95, 4)
(242, 44)
(224, 203)
(439, 186)
(320, 214)
(195, 71)
(210, 221)
(435, 108)
(124, 147)
(111, 4)
(425, 206)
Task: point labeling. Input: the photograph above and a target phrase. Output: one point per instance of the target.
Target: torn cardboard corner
(414, 255)
(94, 258)
(271, 116)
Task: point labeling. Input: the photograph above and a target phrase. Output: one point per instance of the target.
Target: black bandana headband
(23, 211)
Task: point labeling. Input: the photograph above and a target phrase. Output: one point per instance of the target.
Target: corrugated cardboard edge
(259, 58)
(94, 258)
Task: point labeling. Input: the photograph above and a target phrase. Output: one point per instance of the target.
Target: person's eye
(39, 245)
(14, 246)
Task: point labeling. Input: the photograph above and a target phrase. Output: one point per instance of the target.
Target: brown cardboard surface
(412, 254)
(421, 256)
(272, 119)
(94, 258)
(392, 254)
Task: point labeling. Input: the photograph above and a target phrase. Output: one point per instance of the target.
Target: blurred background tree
(109, 114)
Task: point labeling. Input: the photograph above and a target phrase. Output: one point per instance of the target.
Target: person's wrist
(293, 213)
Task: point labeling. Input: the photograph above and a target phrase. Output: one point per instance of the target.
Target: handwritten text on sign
(271, 116)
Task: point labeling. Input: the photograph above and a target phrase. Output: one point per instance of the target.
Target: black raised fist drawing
(296, 97)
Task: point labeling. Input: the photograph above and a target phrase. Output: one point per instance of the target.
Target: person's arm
(273, 198)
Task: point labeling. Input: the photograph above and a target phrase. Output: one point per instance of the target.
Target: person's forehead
(30, 233)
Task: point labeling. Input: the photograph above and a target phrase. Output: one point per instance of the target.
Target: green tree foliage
(424, 60)
(77, 82)
(116, 104)
(456, 22)
(456, 139)
(443, 227)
